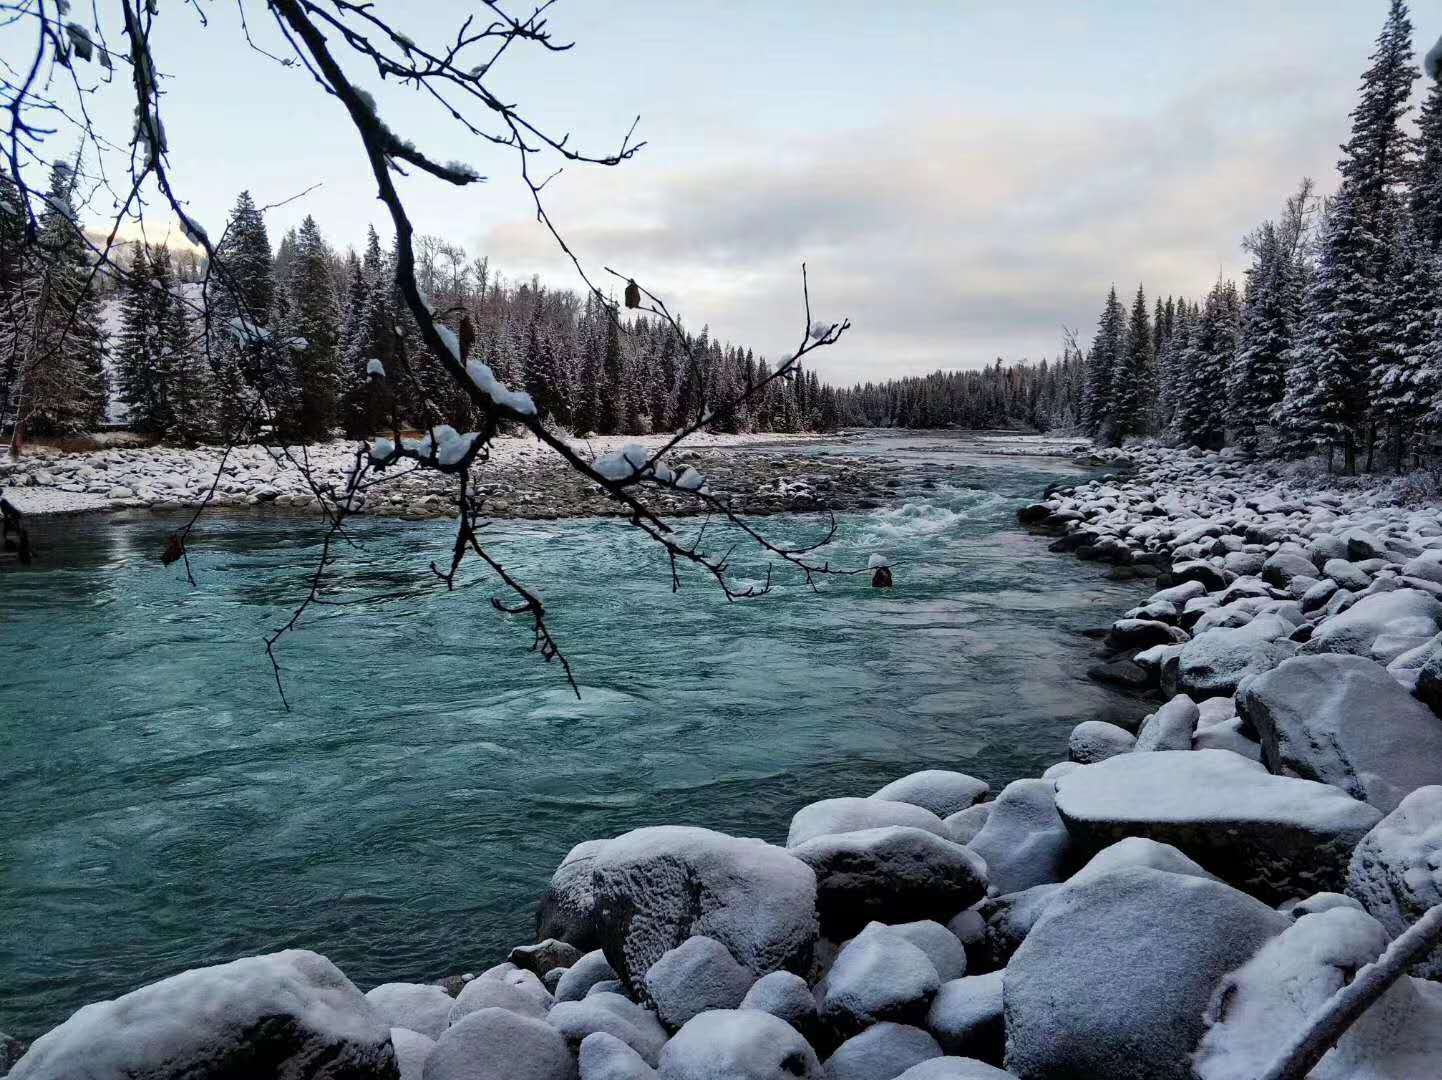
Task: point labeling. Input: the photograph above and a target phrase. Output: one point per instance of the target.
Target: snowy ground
(523, 478)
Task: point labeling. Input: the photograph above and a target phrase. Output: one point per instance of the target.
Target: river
(160, 809)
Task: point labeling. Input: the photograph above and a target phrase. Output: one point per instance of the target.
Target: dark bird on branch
(633, 294)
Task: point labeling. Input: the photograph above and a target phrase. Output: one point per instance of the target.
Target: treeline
(1044, 397)
(280, 341)
(1333, 344)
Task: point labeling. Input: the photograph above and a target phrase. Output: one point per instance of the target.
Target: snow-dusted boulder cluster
(1170, 902)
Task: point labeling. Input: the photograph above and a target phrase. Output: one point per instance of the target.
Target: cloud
(949, 238)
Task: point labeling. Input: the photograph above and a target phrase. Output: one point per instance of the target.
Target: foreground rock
(878, 975)
(496, 1044)
(1024, 841)
(658, 886)
(892, 874)
(1396, 871)
(1343, 720)
(1263, 1004)
(286, 1014)
(1114, 978)
(741, 1044)
(1273, 836)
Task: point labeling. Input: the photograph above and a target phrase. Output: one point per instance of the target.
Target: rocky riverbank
(1169, 902)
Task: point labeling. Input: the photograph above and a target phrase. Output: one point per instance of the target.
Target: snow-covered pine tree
(1269, 324)
(189, 394)
(1404, 332)
(12, 252)
(1131, 379)
(1328, 401)
(1200, 418)
(60, 371)
(1426, 192)
(240, 297)
(140, 379)
(310, 331)
(1104, 360)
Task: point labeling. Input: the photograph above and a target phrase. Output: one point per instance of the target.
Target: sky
(962, 179)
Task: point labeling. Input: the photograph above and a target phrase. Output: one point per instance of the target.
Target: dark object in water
(174, 549)
(882, 578)
(14, 537)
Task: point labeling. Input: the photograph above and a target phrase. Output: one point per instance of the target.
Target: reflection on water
(159, 809)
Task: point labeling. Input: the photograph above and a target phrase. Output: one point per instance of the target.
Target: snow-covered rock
(1097, 740)
(1170, 727)
(613, 1014)
(1343, 720)
(422, 1007)
(518, 991)
(744, 1044)
(585, 973)
(604, 1057)
(878, 975)
(1007, 920)
(1214, 663)
(411, 1049)
(1382, 625)
(1113, 979)
(1138, 851)
(954, 1068)
(832, 816)
(1396, 871)
(1259, 1007)
(963, 825)
(697, 975)
(1142, 634)
(893, 874)
(659, 886)
(966, 1016)
(1024, 842)
(941, 946)
(544, 956)
(942, 792)
(1274, 836)
(784, 995)
(568, 911)
(291, 1015)
(497, 1044)
(881, 1052)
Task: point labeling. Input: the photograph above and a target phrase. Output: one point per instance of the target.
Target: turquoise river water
(160, 809)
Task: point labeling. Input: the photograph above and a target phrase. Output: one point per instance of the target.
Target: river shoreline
(523, 480)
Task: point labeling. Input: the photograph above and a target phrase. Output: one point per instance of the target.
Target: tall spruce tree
(1200, 418)
(311, 332)
(1132, 380)
(1104, 360)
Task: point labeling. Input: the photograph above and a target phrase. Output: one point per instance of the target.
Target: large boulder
(1024, 842)
(1214, 663)
(966, 1016)
(832, 816)
(585, 973)
(1382, 625)
(617, 1016)
(422, 1007)
(1113, 979)
(1142, 634)
(878, 975)
(290, 1015)
(954, 1068)
(1274, 836)
(892, 874)
(568, 910)
(882, 1052)
(942, 947)
(1211, 578)
(938, 790)
(1171, 727)
(1343, 720)
(1267, 1001)
(1396, 871)
(518, 991)
(605, 1057)
(697, 975)
(497, 1044)
(1097, 740)
(784, 995)
(1281, 568)
(659, 886)
(741, 1044)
